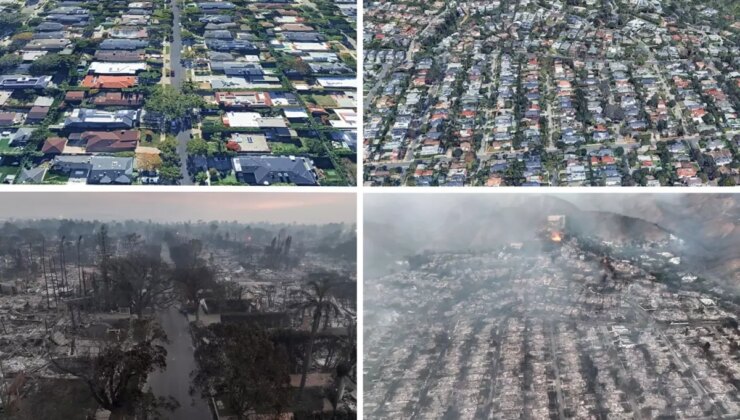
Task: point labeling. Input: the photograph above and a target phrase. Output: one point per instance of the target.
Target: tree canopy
(142, 281)
(198, 147)
(116, 375)
(51, 63)
(9, 62)
(166, 100)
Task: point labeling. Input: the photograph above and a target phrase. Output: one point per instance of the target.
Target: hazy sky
(280, 207)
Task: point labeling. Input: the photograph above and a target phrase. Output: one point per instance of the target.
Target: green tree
(197, 147)
(51, 64)
(201, 178)
(727, 181)
(9, 62)
(170, 173)
(9, 22)
(150, 77)
(166, 100)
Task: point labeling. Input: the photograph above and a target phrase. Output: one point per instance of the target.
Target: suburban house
(8, 119)
(215, 6)
(120, 56)
(37, 114)
(232, 45)
(21, 136)
(111, 170)
(108, 82)
(243, 99)
(31, 176)
(251, 119)
(108, 141)
(91, 118)
(118, 99)
(74, 96)
(123, 44)
(268, 170)
(76, 166)
(54, 146)
(248, 143)
(112, 68)
(24, 82)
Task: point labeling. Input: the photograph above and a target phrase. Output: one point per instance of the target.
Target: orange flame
(555, 237)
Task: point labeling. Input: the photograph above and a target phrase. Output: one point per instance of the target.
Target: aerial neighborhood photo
(145, 312)
(113, 92)
(543, 306)
(551, 93)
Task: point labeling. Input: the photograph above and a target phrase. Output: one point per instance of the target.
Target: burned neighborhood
(124, 318)
(559, 308)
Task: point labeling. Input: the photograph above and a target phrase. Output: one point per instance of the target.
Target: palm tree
(317, 300)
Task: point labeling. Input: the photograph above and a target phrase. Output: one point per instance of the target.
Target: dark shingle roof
(267, 170)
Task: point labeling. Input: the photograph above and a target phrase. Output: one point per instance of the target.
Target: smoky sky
(416, 207)
(248, 207)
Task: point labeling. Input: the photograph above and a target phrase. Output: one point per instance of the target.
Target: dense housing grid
(551, 93)
(115, 92)
(581, 316)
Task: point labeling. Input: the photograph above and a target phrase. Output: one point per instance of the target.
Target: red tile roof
(111, 141)
(108, 82)
(74, 96)
(54, 145)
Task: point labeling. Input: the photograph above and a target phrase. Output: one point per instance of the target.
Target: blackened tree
(244, 369)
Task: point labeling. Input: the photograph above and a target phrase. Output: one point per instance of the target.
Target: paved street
(175, 380)
(183, 137)
(176, 47)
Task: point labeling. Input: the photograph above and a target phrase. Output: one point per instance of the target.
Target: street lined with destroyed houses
(188, 320)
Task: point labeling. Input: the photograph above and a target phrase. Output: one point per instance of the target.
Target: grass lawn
(149, 137)
(230, 179)
(331, 175)
(278, 148)
(4, 147)
(8, 170)
(53, 177)
(213, 147)
(325, 101)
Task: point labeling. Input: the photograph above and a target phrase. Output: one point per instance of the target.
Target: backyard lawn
(331, 175)
(4, 147)
(53, 177)
(325, 101)
(230, 179)
(8, 170)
